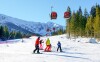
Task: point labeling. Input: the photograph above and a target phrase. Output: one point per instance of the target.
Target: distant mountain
(27, 26)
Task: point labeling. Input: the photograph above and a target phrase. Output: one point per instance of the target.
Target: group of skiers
(39, 46)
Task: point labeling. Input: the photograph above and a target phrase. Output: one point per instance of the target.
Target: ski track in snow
(73, 51)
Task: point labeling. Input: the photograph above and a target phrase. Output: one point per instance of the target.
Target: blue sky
(39, 10)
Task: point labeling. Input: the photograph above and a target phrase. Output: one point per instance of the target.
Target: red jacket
(37, 42)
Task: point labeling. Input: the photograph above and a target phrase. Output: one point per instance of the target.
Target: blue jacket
(59, 44)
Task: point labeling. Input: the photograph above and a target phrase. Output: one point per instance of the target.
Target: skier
(41, 46)
(37, 45)
(48, 45)
(59, 46)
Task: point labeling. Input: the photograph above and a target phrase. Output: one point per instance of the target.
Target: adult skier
(37, 45)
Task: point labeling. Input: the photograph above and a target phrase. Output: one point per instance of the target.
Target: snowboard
(40, 49)
(47, 51)
(37, 53)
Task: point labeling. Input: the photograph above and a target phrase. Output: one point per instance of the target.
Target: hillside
(27, 26)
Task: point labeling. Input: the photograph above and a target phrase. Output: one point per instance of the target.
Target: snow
(75, 50)
(92, 40)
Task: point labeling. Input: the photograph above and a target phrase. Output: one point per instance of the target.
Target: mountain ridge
(33, 27)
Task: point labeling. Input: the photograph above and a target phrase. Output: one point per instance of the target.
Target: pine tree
(93, 11)
(73, 24)
(6, 32)
(86, 13)
(77, 25)
(2, 33)
(60, 31)
(97, 23)
(18, 35)
(80, 10)
(89, 26)
(80, 24)
(68, 22)
(84, 21)
(85, 17)
(12, 35)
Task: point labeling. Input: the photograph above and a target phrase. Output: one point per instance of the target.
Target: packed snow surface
(74, 50)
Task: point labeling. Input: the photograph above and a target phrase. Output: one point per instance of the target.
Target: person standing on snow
(37, 45)
(59, 46)
(48, 45)
(41, 46)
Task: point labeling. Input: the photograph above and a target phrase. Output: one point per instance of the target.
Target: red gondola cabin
(53, 15)
(66, 14)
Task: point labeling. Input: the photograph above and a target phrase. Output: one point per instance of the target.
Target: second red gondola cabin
(66, 14)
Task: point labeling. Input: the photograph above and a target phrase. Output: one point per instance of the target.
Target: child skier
(48, 45)
(37, 45)
(41, 46)
(59, 46)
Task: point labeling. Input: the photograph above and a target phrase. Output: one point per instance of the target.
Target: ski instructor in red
(37, 45)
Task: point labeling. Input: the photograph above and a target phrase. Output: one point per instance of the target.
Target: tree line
(5, 34)
(84, 24)
(59, 32)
